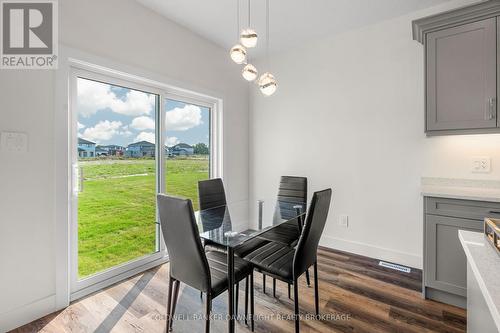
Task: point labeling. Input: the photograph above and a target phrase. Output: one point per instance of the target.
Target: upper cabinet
(461, 69)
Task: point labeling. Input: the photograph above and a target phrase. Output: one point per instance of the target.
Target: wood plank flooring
(356, 295)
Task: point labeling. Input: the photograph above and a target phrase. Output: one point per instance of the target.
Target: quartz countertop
(485, 264)
(466, 189)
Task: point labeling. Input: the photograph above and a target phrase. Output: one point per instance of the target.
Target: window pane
(116, 157)
(187, 144)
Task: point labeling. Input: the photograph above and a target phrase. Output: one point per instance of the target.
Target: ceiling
(292, 21)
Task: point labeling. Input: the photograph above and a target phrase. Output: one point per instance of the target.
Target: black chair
(291, 190)
(211, 194)
(189, 263)
(287, 263)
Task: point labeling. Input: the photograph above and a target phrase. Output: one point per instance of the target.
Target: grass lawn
(116, 209)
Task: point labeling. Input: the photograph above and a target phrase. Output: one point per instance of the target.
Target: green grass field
(116, 209)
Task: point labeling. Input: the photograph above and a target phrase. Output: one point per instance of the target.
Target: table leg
(230, 289)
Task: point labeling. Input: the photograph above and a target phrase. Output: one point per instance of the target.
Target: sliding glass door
(130, 141)
(116, 163)
(187, 144)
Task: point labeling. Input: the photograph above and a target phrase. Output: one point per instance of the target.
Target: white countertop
(485, 264)
(465, 189)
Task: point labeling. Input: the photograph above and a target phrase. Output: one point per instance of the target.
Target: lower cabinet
(445, 264)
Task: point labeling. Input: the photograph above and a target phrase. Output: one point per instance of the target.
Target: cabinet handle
(491, 108)
(494, 212)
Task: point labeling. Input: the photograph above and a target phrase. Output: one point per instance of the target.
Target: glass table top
(234, 223)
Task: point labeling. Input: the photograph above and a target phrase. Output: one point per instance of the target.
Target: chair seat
(286, 233)
(208, 245)
(241, 250)
(274, 258)
(218, 270)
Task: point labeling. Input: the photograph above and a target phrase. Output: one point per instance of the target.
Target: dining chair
(211, 194)
(190, 264)
(287, 263)
(292, 189)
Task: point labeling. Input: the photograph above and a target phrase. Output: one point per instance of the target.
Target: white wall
(124, 32)
(349, 114)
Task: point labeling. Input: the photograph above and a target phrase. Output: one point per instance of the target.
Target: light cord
(249, 14)
(237, 19)
(267, 30)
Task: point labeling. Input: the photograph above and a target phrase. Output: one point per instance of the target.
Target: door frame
(70, 64)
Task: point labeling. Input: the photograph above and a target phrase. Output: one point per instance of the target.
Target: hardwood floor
(356, 295)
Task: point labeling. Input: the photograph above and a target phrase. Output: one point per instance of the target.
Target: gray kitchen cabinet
(461, 69)
(461, 86)
(445, 264)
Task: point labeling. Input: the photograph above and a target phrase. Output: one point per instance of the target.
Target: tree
(201, 149)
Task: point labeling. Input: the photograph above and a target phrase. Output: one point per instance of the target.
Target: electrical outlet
(344, 221)
(481, 165)
(14, 142)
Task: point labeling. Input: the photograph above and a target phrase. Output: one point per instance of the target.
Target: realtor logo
(28, 34)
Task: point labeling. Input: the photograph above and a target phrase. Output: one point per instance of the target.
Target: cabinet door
(461, 77)
(446, 265)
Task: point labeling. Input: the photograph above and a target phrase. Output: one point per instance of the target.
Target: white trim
(117, 278)
(27, 313)
(372, 251)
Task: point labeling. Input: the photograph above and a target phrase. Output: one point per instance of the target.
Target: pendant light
(238, 52)
(267, 84)
(248, 36)
(249, 72)
(267, 81)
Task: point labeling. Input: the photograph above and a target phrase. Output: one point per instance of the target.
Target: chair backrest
(211, 193)
(188, 262)
(305, 254)
(291, 189)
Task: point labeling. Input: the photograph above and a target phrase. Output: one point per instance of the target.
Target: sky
(109, 114)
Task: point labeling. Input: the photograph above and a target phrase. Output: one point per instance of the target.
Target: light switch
(14, 142)
(481, 165)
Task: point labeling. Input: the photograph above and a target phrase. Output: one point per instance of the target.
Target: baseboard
(372, 251)
(27, 313)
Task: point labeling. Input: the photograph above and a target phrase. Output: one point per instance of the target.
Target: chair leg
(208, 312)
(316, 288)
(296, 302)
(169, 301)
(308, 278)
(274, 287)
(263, 283)
(289, 293)
(174, 302)
(246, 300)
(251, 302)
(237, 297)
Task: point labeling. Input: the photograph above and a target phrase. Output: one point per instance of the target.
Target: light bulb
(238, 54)
(267, 84)
(248, 37)
(249, 72)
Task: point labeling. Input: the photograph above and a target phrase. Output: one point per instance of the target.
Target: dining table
(237, 222)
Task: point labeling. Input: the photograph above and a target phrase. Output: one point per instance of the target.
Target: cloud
(182, 119)
(143, 123)
(94, 96)
(80, 126)
(172, 141)
(146, 136)
(102, 131)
